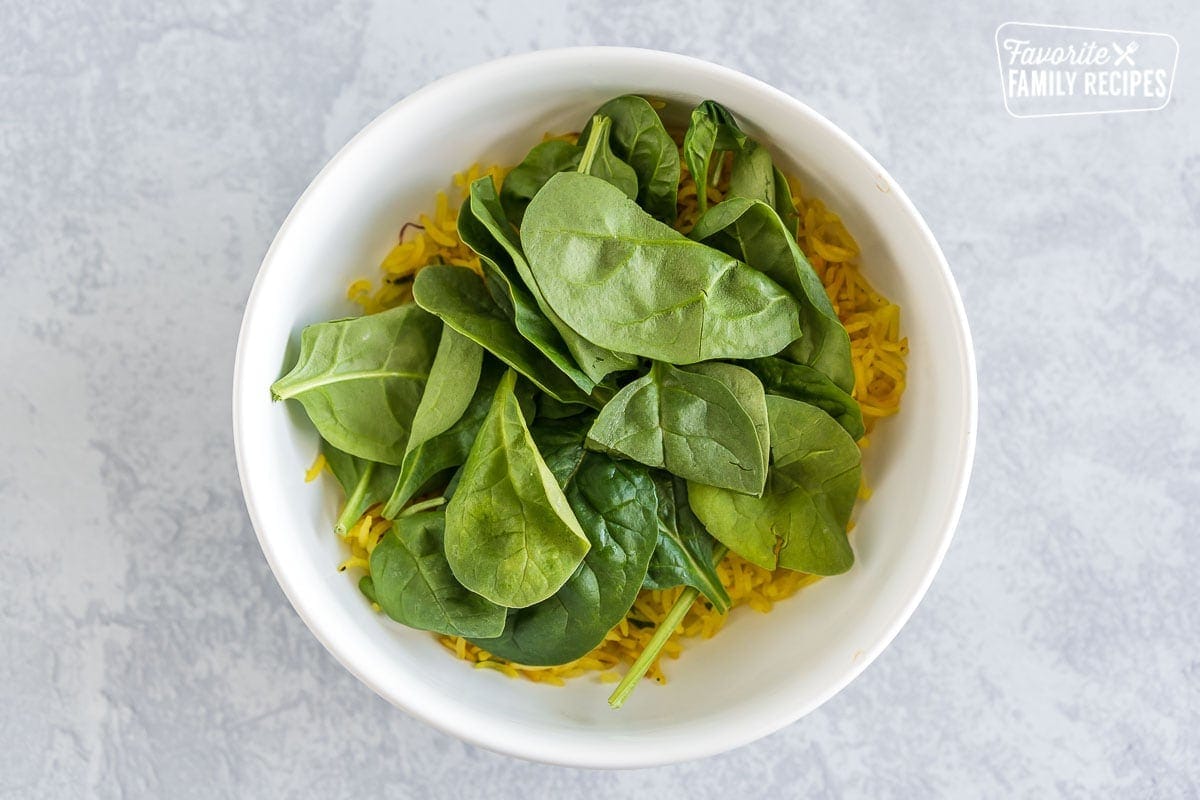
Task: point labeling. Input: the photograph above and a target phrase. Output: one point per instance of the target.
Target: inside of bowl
(761, 671)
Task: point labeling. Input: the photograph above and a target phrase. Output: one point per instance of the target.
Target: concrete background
(148, 155)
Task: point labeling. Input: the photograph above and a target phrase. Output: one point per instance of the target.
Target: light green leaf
(361, 379)
(511, 536)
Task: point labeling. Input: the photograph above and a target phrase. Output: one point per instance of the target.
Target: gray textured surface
(147, 156)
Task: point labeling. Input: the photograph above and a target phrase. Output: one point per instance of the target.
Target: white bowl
(761, 672)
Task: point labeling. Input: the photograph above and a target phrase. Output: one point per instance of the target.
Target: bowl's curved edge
(619, 754)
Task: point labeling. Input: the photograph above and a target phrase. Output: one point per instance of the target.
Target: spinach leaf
(784, 206)
(365, 483)
(412, 582)
(753, 174)
(599, 161)
(452, 380)
(693, 424)
(811, 489)
(549, 408)
(614, 502)
(511, 536)
(361, 379)
(639, 137)
(626, 281)
(528, 177)
(748, 390)
(684, 554)
(595, 362)
(712, 131)
(448, 449)
(459, 297)
(802, 382)
(483, 227)
(751, 230)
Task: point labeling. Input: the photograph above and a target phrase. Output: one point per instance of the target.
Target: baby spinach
(626, 281)
(360, 380)
(598, 159)
(751, 230)
(527, 178)
(413, 584)
(784, 206)
(753, 174)
(483, 227)
(452, 380)
(800, 520)
(697, 425)
(684, 555)
(614, 503)
(802, 382)
(365, 483)
(448, 449)
(459, 297)
(639, 137)
(594, 362)
(712, 131)
(511, 536)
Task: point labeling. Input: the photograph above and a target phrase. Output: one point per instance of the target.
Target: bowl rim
(531, 746)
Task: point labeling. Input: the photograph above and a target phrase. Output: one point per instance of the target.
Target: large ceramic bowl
(761, 672)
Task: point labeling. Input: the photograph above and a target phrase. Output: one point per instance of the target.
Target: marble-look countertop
(148, 153)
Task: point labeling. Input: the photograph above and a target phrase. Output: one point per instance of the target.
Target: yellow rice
(877, 351)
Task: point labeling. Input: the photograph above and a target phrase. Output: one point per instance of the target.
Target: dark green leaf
(364, 483)
(599, 161)
(712, 131)
(641, 140)
(684, 553)
(482, 226)
(751, 230)
(615, 504)
(413, 583)
(627, 282)
(695, 424)
(448, 449)
(452, 380)
(459, 297)
(510, 534)
(800, 521)
(528, 177)
(802, 382)
(361, 379)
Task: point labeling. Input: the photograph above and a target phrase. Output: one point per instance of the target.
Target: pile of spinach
(610, 406)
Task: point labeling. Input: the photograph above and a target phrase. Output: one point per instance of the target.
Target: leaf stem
(354, 501)
(417, 508)
(665, 630)
(598, 133)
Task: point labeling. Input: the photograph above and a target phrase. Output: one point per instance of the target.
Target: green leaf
(802, 382)
(598, 159)
(751, 230)
(684, 553)
(627, 282)
(364, 483)
(452, 381)
(527, 178)
(712, 131)
(361, 379)
(641, 140)
(459, 297)
(413, 583)
(753, 174)
(614, 503)
(483, 227)
(448, 449)
(784, 206)
(811, 489)
(584, 362)
(510, 534)
(691, 423)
